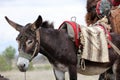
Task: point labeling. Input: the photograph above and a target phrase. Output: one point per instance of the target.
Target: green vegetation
(6, 58)
(9, 52)
(31, 66)
(3, 64)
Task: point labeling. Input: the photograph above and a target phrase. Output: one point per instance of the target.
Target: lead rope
(24, 75)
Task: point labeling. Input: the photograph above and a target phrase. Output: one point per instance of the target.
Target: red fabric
(97, 7)
(115, 3)
(76, 33)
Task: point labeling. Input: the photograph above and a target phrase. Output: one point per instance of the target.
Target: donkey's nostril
(21, 65)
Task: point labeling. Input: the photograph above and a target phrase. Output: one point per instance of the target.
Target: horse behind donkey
(60, 50)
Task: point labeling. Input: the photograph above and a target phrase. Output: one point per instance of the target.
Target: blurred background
(27, 11)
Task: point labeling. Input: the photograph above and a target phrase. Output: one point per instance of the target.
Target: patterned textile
(103, 8)
(94, 42)
(115, 3)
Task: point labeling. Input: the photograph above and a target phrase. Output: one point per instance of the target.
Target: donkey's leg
(116, 69)
(108, 75)
(73, 72)
(102, 76)
(59, 75)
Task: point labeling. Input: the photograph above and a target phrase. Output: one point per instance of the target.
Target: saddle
(75, 30)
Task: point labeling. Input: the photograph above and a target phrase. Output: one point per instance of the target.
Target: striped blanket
(95, 47)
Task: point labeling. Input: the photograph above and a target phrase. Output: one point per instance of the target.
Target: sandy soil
(40, 75)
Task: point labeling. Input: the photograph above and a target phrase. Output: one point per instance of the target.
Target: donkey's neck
(58, 45)
(49, 38)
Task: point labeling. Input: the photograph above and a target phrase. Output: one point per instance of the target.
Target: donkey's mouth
(23, 64)
(22, 69)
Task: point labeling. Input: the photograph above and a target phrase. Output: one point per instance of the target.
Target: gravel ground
(40, 75)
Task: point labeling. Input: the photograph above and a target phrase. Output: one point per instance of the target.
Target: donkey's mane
(46, 24)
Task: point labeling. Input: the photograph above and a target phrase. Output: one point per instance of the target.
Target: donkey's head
(28, 40)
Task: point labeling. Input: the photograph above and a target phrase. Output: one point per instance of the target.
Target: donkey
(60, 50)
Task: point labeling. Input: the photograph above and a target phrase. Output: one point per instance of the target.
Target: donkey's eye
(29, 41)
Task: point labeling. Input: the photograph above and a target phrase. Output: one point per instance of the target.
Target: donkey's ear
(37, 23)
(13, 24)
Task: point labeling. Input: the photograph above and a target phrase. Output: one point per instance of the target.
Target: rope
(78, 58)
(24, 75)
(114, 47)
(83, 67)
(36, 47)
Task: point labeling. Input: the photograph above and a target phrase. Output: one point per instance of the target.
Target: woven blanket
(95, 47)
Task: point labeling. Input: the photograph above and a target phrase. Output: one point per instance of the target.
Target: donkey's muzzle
(23, 64)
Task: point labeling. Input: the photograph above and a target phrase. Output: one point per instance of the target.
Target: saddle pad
(95, 47)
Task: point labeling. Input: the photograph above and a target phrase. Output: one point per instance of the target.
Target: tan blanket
(94, 42)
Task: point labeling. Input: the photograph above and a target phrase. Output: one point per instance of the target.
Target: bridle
(36, 50)
(37, 45)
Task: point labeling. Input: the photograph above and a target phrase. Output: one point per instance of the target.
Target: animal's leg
(102, 76)
(59, 75)
(73, 72)
(116, 70)
(108, 75)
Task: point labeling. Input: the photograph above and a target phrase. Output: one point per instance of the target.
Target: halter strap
(37, 43)
(25, 55)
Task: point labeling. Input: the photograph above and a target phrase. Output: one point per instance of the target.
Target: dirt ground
(40, 75)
